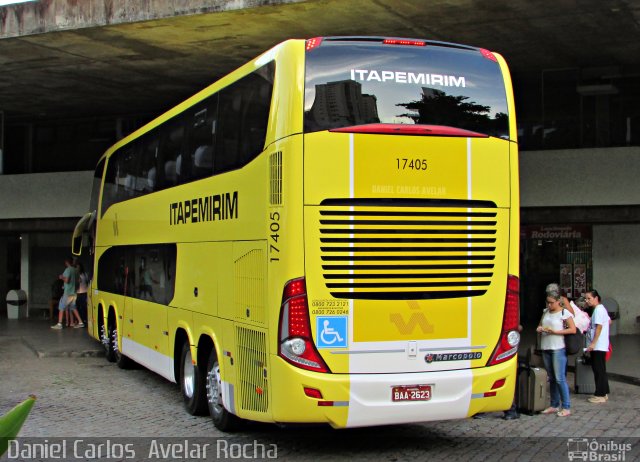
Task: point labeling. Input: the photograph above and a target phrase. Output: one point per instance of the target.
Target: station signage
(551, 232)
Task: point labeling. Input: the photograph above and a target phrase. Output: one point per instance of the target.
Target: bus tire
(123, 362)
(105, 339)
(192, 384)
(222, 419)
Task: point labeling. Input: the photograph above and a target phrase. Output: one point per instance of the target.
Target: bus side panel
(284, 228)
(203, 278)
(220, 331)
(288, 92)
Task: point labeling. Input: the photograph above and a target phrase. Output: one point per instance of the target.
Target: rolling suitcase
(583, 382)
(532, 389)
(534, 357)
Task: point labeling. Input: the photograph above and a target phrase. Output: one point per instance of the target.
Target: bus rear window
(356, 83)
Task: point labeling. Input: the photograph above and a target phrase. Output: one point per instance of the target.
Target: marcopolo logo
(594, 450)
(462, 356)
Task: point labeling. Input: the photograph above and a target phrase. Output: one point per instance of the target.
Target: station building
(78, 76)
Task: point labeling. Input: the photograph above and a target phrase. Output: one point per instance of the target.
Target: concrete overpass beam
(57, 15)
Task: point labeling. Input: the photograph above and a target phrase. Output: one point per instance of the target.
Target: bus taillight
(313, 43)
(487, 54)
(415, 43)
(295, 343)
(510, 337)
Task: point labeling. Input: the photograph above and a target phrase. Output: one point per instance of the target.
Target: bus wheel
(222, 419)
(191, 383)
(105, 339)
(121, 360)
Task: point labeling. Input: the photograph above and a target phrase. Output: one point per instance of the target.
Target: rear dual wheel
(222, 419)
(192, 383)
(107, 345)
(109, 340)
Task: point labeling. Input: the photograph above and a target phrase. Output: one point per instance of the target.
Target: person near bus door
(554, 354)
(68, 299)
(598, 346)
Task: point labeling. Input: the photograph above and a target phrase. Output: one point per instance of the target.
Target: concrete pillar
(25, 267)
(4, 262)
(1, 142)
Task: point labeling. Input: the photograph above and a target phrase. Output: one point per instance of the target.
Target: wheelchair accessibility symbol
(332, 331)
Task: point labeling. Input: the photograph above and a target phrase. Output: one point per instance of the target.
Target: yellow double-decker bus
(328, 234)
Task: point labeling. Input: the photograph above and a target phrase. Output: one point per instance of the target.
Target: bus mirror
(78, 232)
(76, 245)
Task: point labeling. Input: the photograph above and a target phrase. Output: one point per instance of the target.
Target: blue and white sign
(332, 331)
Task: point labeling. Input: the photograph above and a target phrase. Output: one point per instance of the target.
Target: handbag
(573, 343)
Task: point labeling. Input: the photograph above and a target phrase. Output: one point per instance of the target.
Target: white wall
(575, 177)
(616, 270)
(45, 195)
(594, 177)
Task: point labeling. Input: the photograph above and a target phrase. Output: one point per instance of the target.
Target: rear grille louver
(275, 178)
(411, 249)
(252, 368)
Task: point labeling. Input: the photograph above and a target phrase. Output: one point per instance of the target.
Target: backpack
(580, 318)
(573, 343)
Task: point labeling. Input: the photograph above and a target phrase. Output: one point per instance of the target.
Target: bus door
(148, 283)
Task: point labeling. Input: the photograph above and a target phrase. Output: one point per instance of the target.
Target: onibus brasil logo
(594, 450)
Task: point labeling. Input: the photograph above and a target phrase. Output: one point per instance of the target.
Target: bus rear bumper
(357, 400)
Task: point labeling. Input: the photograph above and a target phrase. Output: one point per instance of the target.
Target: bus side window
(148, 163)
(243, 119)
(152, 272)
(255, 117)
(171, 150)
(113, 182)
(113, 271)
(169, 255)
(227, 136)
(129, 173)
(202, 132)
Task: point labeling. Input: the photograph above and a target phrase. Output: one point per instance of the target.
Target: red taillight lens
(296, 344)
(512, 305)
(487, 54)
(313, 43)
(298, 317)
(416, 43)
(510, 336)
(293, 288)
(313, 392)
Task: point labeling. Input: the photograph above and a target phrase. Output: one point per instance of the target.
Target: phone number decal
(329, 307)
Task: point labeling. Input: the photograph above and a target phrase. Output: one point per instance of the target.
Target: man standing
(68, 299)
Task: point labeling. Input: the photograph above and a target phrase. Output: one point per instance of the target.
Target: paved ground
(81, 395)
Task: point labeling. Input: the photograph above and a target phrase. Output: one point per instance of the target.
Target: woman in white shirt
(598, 346)
(552, 327)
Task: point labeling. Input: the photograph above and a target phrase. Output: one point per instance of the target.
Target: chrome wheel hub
(214, 389)
(188, 376)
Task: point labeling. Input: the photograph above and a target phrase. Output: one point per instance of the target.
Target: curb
(70, 354)
(615, 377)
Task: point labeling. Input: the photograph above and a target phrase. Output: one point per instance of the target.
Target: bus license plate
(411, 393)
